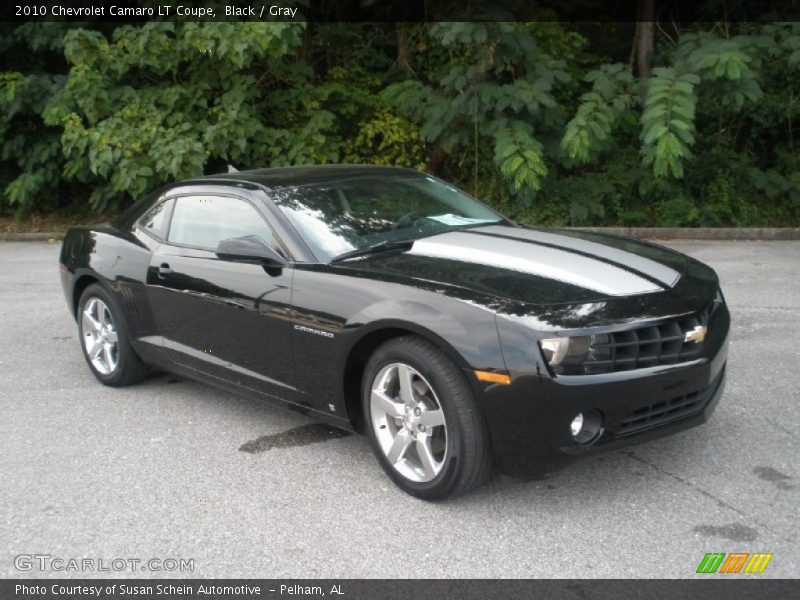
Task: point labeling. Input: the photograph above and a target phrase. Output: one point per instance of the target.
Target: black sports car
(387, 301)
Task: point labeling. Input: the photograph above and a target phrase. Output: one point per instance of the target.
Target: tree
(156, 102)
(644, 38)
(494, 84)
(30, 152)
(549, 122)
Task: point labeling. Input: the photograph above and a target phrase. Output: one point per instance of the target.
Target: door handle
(163, 269)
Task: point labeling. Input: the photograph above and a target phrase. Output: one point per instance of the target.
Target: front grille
(668, 411)
(648, 346)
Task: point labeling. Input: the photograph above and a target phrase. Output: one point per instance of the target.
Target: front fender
(465, 332)
(334, 310)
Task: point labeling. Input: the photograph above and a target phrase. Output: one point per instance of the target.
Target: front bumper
(529, 419)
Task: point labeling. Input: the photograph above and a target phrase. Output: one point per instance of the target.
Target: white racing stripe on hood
(524, 257)
(663, 273)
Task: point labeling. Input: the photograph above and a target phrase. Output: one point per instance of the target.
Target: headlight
(566, 355)
(565, 350)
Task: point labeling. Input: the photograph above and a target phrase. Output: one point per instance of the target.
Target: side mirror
(250, 248)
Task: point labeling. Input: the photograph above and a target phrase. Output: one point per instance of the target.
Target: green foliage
(678, 211)
(723, 65)
(781, 195)
(545, 121)
(598, 112)
(717, 72)
(726, 204)
(603, 196)
(155, 102)
(30, 152)
(774, 185)
(387, 139)
(519, 156)
(498, 87)
(668, 121)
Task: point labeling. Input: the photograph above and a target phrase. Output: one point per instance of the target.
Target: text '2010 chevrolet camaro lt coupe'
(386, 301)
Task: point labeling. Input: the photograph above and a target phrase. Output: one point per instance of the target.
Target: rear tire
(105, 340)
(423, 420)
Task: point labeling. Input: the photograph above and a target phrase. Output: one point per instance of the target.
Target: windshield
(350, 214)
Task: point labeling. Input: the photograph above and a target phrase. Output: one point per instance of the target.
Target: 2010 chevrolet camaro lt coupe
(388, 302)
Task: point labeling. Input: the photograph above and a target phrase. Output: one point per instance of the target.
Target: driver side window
(204, 221)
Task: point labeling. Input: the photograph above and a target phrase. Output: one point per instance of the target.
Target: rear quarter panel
(118, 260)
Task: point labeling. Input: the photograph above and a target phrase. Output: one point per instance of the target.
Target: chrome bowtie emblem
(696, 335)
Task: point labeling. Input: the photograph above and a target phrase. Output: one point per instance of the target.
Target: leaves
(774, 185)
(387, 139)
(155, 102)
(726, 66)
(668, 121)
(519, 156)
(598, 111)
(498, 85)
(545, 121)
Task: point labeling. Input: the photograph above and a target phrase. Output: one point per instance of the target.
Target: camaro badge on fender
(326, 334)
(696, 335)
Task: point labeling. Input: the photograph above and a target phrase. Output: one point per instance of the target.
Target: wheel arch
(365, 346)
(81, 283)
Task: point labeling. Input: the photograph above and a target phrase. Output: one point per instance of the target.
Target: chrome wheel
(408, 422)
(99, 336)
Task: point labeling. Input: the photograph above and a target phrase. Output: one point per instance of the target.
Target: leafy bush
(546, 121)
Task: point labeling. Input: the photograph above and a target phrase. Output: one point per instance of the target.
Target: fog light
(587, 427)
(576, 425)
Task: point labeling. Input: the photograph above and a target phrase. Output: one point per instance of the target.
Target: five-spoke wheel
(409, 422)
(423, 421)
(100, 336)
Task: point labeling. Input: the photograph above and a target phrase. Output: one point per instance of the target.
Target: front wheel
(424, 424)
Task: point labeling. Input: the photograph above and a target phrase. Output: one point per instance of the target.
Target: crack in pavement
(719, 501)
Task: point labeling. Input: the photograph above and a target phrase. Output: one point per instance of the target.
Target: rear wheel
(423, 421)
(104, 340)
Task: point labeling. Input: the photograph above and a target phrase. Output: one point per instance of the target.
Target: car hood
(535, 265)
(552, 279)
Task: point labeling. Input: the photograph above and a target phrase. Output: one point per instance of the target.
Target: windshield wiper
(374, 249)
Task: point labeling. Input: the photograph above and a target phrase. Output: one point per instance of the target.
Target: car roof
(281, 177)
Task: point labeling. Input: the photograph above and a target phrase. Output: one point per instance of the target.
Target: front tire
(424, 423)
(105, 341)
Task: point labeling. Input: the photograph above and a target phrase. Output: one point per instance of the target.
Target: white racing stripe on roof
(524, 257)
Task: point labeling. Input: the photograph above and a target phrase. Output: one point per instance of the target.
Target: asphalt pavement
(172, 469)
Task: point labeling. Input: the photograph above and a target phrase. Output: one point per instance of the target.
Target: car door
(225, 318)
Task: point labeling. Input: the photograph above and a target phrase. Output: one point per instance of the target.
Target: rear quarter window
(156, 220)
